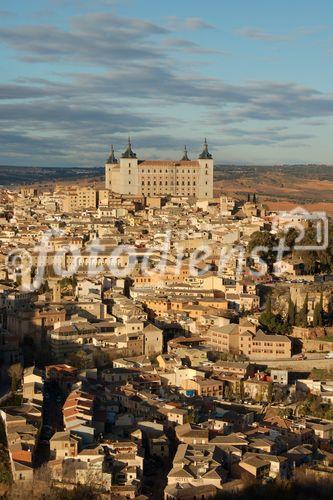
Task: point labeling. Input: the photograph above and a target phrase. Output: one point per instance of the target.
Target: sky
(254, 77)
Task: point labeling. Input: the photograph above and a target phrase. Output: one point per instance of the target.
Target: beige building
(64, 445)
(243, 339)
(153, 340)
(75, 198)
(265, 347)
(160, 177)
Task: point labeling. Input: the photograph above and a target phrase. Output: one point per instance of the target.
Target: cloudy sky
(255, 77)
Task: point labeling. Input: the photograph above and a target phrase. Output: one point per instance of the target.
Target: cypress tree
(268, 306)
(318, 313)
(302, 317)
(291, 316)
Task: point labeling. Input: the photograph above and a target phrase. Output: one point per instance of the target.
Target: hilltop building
(185, 177)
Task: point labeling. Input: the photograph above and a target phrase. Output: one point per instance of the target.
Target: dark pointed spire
(129, 153)
(185, 155)
(248, 197)
(254, 199)
(112, 159)
(205, 155)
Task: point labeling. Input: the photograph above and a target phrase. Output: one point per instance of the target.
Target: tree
(290, 237)
(267, 240)
(80, 360)
(270, 392)
(44, 287)
(318, 312)
(272, 323)
(314, 260)
(302, 316)
(15, 372)
(241, 389)
(291, 315)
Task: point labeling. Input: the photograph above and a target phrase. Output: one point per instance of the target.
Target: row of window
(167, 169)
(166, 183)
(168, 172)
(146, 192)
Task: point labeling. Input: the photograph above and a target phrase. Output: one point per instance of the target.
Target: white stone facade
(160, 177)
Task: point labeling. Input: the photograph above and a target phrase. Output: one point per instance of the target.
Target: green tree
(267, 240)
(15, 372)
(270, 392)
(291, 237)
(267, 318)
(80, 360)
(291, 315)
(241, 389)
(272, 323)
(318, 313)
(319, 260)
(302, 316)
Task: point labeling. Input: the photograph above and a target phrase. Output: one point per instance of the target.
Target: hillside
(280, 187)
(13, 176)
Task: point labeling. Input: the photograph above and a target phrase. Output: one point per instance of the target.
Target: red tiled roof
(22, 456)
(181, 163)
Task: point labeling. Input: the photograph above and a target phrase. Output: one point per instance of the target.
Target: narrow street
(52, 421)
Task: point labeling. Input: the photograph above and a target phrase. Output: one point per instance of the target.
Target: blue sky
(255, 77)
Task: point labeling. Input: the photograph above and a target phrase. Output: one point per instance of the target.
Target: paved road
(313, 360)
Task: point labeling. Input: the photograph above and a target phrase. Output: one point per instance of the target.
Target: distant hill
(10, 175)
(280, 187)
(313, 171)
(13, 176)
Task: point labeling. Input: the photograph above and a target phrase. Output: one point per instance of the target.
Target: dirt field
(281, 190)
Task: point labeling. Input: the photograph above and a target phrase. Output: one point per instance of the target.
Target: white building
(160, 177)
